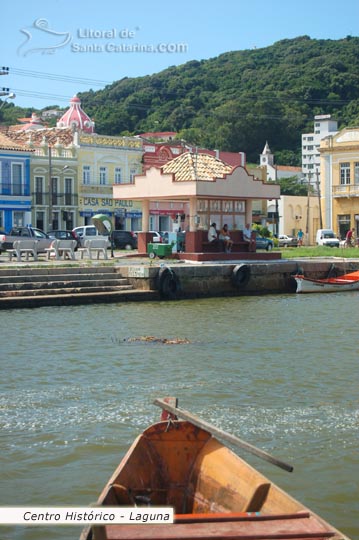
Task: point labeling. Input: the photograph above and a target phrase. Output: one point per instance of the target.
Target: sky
(57, 48)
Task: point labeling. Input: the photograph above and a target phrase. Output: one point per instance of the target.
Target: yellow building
(339, 173)
(104, 161)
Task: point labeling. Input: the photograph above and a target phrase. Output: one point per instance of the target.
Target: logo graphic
(41, 39)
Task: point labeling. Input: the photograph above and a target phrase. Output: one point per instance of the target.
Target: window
(16, 174)
(39, 190)
(55, 220)
(68, 191)
(103, 175)
(2, 220)
(118, 175)
(19, 219)
(356, 173)
(54, 190)
(86, 174)
(132, 175)
(345, 173)
(40, 220)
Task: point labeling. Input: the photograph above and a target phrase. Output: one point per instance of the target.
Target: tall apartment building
(324, 125)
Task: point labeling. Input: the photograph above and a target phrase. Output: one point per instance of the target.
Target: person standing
(300, 235)
(349, 238)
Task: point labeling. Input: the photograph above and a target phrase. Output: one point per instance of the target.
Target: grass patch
(319, 251)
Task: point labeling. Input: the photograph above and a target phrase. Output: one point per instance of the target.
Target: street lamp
(7, 96)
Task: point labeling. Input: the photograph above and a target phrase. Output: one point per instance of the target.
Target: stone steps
(64, 290)
(44, 286)
(32, 287)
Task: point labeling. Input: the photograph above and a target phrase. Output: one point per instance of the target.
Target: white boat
(346, 282)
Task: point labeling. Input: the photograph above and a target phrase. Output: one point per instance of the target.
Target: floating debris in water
(153, 339)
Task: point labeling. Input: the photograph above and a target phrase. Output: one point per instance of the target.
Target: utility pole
(319, 200)
(50, 187)
(5, 92)
(308, 201)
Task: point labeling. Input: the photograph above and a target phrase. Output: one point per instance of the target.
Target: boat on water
(215, 494)
(346, 282)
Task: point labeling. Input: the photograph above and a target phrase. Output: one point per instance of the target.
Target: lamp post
(50, 187)
(7, 95)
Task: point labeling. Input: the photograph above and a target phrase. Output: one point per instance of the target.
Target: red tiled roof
(64, 136)
(288, 168)
(8, 144)
(158, 134)
(196, 167)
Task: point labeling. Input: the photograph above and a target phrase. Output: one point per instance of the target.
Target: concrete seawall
(201, 280)
(38, 284)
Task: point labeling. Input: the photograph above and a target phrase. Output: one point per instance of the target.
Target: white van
(326, 237)
(87, 232)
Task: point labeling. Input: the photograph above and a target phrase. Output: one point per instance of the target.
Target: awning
(89, 213)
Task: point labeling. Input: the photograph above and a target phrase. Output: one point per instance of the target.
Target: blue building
(15, 195)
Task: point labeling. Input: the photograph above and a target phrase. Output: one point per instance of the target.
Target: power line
(41, 95)
(56, 77)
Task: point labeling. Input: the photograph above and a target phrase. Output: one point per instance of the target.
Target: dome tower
(76, 119)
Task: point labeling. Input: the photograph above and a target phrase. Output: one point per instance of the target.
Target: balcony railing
(57, 199)
(346, 190)
(15, 190)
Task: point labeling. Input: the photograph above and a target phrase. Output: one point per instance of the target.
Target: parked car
(23, 233)
(88, 232)
(262, 242)
(326, 237)
(156, 237)
(124, 239)
(65, 235)
(287, 241)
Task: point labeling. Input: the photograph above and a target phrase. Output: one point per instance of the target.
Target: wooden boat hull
(347, 282)
(214, 493)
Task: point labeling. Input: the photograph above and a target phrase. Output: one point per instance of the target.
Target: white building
(323, 126)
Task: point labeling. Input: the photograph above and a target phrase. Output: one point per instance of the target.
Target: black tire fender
(241, 275)
(169, 284)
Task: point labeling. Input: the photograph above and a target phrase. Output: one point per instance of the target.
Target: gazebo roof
(195, 175)
(196, 167)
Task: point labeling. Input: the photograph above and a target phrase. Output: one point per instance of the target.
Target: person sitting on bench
(224, 236)
(247, 232)
(212, 233)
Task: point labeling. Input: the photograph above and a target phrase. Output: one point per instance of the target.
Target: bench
(23, 247)
(97, 245)
(64, 248)
(239, 244)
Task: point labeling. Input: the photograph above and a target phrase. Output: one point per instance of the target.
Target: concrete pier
(38, 284)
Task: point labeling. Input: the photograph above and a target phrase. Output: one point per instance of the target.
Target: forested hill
(239, 99)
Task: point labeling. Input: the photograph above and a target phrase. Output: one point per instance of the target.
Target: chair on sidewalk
(62, 248)
(96, 245)
(23, 247)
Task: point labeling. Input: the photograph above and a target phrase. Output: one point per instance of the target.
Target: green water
(278, 371)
